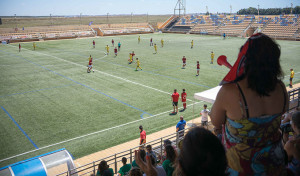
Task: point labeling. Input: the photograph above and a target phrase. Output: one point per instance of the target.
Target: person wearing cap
(175, 98)
(180, 127)
(249, 106)
(142, 135)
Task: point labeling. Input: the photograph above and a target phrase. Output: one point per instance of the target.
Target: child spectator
(135, 172)
(124, 170)
(170, 160)
(150, 152)
(104, 170)
(204, 114)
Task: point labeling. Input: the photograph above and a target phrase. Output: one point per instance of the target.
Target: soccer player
(19, 47)
(198, 68)
(34, 45)
(291, 77)
(90, 65)
(131, 57)
(224, 36)
(183, 62)
(162, 42)
(107, 49)
(113, 42)
(138, 64)
(183, 99)
(119, 46)
(151, 42)
(116, 52)
(175, 97)
(94, 43)
(192, 44)
(155, 48)
(212, 55)
(139, 39)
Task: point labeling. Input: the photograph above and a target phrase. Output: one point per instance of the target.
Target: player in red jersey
(198, 68)
(183, 99)
(116, 51)
(90, 65)
(19, 47)
(94, 43)
(113, 42)
(183, 62)
(151, 42)
(175, 98)
(142, 135)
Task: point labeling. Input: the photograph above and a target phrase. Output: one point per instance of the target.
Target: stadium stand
(280, 27)
(63, 32)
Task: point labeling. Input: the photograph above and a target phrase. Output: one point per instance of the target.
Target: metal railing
(115, 160)
(294, 98)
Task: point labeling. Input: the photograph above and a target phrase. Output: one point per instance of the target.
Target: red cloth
(237, 69)
(198, 66)
(116, 50)
(183, 59)
(91, 61)
(183, 97)
(175, 97)
(143, 136)
(93, 42)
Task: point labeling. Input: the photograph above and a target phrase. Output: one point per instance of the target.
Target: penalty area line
(86, 135)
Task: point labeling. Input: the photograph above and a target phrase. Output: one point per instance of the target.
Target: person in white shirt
(204, 114)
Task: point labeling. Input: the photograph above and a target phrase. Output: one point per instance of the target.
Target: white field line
(107, 129)
(117, 77)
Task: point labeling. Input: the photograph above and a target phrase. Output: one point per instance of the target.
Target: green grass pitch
(51, 97)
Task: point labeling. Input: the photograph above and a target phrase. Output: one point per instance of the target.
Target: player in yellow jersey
(34, 45)
(162, 42)
(90, 58)
(155, 48)
(107, 49)
(139, 39)
(138, 64)
(291, 77)
(212, 55)
(192, 44)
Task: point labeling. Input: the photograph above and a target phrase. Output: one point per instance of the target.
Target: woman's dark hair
(262, 65)
(167, 142)
(296, 119)
(102, 167)
(202, 154)
(170, 152)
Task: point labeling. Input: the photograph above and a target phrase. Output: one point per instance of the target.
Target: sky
(152, 7)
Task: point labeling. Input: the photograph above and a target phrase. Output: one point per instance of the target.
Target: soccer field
(49, 101)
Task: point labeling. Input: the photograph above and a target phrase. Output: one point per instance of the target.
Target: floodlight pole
(16, 20)
(230, 9)
(80, 18)
(291, 8)
(258, 16)
(180, 6)
(107, 18)
(131, 17)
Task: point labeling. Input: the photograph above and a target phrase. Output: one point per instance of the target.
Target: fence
(294, 98)
(114, 161)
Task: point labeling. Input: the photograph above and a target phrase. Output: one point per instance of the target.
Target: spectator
(180, 127)
(202, 154)
(142, 156)
(135, 172)
(204, 119)
(170, 160)
(124, 170)
(292, 147)
(142, 135)
(249, 106)
(150, 152)
(104, 170)
(147, 166)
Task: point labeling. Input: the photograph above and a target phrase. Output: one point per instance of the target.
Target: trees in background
(269, 11)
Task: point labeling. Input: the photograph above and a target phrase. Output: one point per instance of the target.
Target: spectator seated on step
(124, 170)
